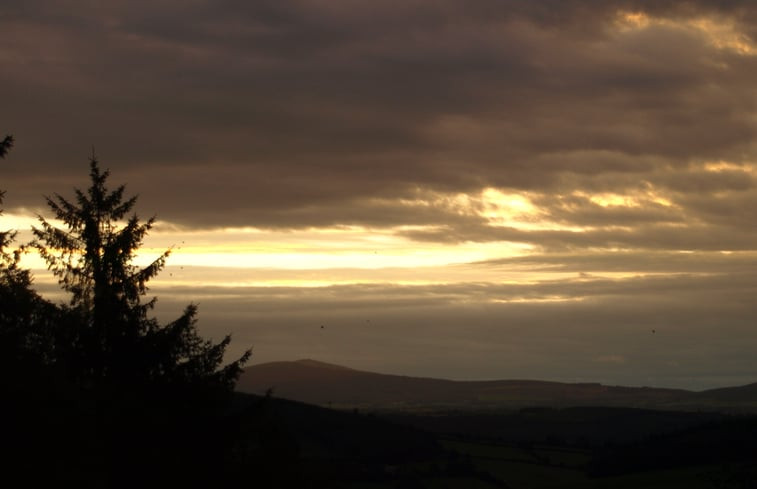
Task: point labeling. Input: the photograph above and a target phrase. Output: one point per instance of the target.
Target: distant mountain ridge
(326, 384)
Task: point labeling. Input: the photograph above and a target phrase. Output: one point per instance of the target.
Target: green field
(673, 450)
(492, 465)
(545, 467)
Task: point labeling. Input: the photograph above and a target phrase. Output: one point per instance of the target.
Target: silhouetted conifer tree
(98, 392)
(25, 318)
(116, 341)
(36, 403)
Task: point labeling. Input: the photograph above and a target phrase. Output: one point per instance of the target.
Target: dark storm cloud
(309, 113)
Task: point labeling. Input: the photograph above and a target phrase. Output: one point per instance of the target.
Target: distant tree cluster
(102, 394)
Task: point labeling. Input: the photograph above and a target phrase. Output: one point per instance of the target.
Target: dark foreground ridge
(341, 387)
(507, 447)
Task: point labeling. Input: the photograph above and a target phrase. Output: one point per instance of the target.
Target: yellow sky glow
(320, 257)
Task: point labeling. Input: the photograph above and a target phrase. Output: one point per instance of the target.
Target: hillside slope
(332, 385)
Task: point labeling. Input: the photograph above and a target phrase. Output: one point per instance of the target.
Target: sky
(556, 189)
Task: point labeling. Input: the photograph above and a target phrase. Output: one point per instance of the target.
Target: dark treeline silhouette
(98, 392)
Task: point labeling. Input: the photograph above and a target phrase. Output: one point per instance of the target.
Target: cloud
(702, 325)
(612, 143)
(298, 106)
